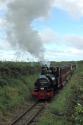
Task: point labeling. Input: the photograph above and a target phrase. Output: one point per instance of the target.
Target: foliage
(17, 69)
(16, 86)
(78, 114)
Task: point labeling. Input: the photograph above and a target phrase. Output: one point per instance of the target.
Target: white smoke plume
(21, 14)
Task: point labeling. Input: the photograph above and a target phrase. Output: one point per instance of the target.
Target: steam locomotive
(50, 80)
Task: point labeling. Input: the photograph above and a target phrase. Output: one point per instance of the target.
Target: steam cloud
(21, 14)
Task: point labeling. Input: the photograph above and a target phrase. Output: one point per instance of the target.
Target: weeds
(15, 86)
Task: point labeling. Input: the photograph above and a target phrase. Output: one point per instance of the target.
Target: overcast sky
(44, 29)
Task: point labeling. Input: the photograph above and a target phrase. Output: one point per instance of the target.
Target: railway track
(29, 116)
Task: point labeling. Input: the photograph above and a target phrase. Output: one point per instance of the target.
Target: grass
(67, 106)
(16, 85)
(15, 93)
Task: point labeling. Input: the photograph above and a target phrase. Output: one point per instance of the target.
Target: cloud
(62, 48)
(49, 36)
(68, 55)
(5, 45)
(74, 7)
(74, 41)
(16, 55)
(1, 1)
(2, 23)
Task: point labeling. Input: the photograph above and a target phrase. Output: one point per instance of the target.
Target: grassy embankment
(16, 85)
(67, 107)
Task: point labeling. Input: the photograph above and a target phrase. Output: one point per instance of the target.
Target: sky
(49, 30)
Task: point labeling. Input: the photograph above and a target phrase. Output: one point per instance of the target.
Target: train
(52, 79)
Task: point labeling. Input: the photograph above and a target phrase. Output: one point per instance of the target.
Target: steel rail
(35, 115)
(19, 118)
